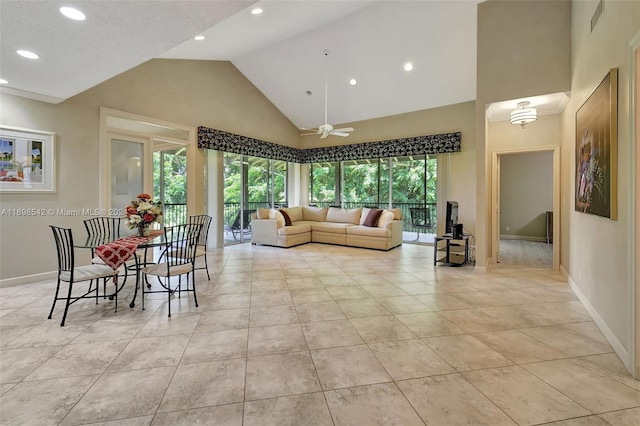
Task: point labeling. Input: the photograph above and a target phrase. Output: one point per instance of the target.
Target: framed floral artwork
(27, 160)
(596, 152)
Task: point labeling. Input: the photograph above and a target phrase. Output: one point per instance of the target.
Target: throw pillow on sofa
(263, 213)
(275, 214)
(372, 218)
(287, 219)
(385, 217)
(365, 213)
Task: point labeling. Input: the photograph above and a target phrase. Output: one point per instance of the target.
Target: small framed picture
(27, 160)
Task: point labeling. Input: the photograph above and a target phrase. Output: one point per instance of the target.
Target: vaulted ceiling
(281, 51)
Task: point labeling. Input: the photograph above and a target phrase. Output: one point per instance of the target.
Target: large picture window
(324, 190)
(400, 182)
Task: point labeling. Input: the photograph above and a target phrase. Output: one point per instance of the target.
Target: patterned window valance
(417, 145)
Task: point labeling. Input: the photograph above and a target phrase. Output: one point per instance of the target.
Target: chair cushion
(160, 270)
(372, 218)
(88, 272)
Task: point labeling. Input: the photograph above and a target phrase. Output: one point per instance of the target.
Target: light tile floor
(317, 335)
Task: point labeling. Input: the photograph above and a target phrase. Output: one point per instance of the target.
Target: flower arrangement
(143, 212)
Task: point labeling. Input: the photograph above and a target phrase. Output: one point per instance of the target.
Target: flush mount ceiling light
(256, 11)
(523, 115)
(408, 66)
(27, 54)
(199, 38)
(72, 13)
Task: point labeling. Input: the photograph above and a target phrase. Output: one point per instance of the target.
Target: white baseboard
(28, 279)
(480, 269)
(523, 237)
(618, 347)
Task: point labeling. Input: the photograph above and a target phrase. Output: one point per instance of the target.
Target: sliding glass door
(250, 183)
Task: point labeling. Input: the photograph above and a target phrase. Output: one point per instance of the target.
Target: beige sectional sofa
(327, 225)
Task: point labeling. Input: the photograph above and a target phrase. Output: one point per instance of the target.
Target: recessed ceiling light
(27, 54)
(198, 38)
(353, 82)
(3, 81)
(408, 66)
(72, 13)
(256, 11)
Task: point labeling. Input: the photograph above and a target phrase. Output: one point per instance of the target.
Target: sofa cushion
(333, 227)
(397, 213)
(294, 229)
(344, 215)
(369, 232)
(372, 218)
(295, 213)
(314, 213)
(263, 213)
(275, 214)
(287, 219)
(385, 217)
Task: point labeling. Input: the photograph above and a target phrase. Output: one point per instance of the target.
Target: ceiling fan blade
(334, 133)
(344, 129)
(309, 134)
(324, 135)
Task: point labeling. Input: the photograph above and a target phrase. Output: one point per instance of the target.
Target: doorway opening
(141, 154)
(525, 200)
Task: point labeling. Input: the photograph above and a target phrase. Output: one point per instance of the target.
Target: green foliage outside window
(412, 182)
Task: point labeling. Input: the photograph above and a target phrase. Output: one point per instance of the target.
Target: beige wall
(526, 194)
(191, 93)
(598, 256)
(523, 50)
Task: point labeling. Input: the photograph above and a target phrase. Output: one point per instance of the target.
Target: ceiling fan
(327, 129)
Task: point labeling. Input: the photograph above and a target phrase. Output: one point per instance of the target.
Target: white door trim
(105, 154)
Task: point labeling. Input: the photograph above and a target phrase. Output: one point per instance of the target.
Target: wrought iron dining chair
(177, 259)
(201, 250)
(103, 226)
(71, 274)
(107, 228)
(421, 219)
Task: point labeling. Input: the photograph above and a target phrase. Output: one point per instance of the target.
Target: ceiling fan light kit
(327, 129)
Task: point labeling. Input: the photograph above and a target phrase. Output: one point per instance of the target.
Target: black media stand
(451, 251)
